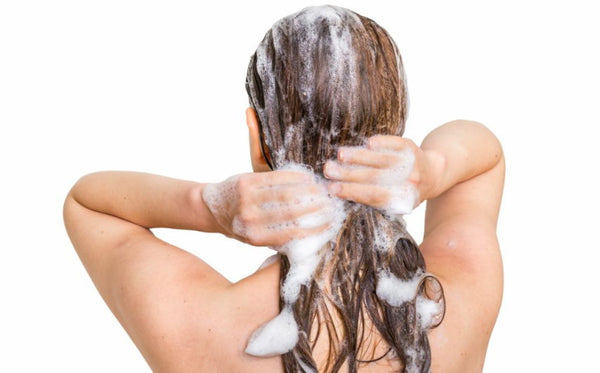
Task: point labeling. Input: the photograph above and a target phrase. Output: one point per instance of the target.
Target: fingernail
(343, 154)
(332, 170)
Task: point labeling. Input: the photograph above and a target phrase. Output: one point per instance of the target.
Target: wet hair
(322, 78)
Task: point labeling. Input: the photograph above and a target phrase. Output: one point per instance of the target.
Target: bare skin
(185, 317)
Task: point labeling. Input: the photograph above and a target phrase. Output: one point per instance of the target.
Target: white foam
(217, 195)
(315, 219)
(403, 199)
(237, 226)
(400, 171)
(304, 200)
(385, 241)
(395, 291)
(429, 311)
(403, 194)
(413, 356)
(276, 337)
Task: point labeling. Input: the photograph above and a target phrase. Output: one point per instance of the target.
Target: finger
(291, 194)
(277, 178)
(351, 174)
(367, 157)
(278, 236)
(387, 142)
(300, 233)
(367, 194)
(287, 213)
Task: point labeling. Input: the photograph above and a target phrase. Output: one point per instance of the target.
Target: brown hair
(323, 78)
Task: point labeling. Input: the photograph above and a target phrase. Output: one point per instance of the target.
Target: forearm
(147, 200)
(459, 151)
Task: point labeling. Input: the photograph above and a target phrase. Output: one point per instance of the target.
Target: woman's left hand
(269, 208)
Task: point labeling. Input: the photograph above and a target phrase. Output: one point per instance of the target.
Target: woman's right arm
(462, 151)
(459, 171)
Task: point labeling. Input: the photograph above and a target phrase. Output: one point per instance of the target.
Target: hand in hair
(391, 173)
(269, 208)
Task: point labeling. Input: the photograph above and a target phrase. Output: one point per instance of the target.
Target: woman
(327, 92)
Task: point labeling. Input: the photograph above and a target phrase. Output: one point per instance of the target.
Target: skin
(185, 317)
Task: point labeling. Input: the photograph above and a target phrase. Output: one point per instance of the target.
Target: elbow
(484, 134)
(71, 201)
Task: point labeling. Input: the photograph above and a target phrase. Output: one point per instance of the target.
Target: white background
(159, 87)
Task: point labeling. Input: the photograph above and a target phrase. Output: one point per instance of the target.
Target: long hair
(322, 78)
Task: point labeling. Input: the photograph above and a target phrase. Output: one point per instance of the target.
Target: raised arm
(462, 151)
(149, 201)
(459, 171)
(460, 243)
(164, 296)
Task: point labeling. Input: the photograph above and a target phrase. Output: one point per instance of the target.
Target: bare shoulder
(203, 324)
(196, 322)
(181, 314)
(461, 247)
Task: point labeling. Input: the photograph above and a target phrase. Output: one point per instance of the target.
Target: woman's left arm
(154, 288)
(108, 213)
(108, 216)
(149, 201)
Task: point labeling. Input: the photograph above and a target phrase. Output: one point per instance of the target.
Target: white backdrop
(159, 87)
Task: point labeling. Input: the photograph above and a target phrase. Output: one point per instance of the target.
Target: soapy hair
(322, 78)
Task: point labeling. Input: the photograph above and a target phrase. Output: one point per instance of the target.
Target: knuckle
(253, 236)
(314, 189)
(389, 160)
(380, 197)
(346, 192)
(244, 181)
(247, 217)
(372, 176)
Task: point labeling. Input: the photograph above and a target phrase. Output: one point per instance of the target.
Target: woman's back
(193, 331)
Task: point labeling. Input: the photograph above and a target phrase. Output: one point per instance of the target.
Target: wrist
(435, 169)
(204, 220)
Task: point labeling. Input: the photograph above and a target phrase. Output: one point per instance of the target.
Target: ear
(259, 163)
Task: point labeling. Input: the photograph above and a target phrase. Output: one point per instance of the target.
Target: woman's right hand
(269, 208)
(391, 173)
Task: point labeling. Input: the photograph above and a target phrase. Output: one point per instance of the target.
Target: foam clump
(396, 291)
(275, 337)
(403, 194)
(429, 312)
(217, 196)
(413, 356)
(280, 334)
